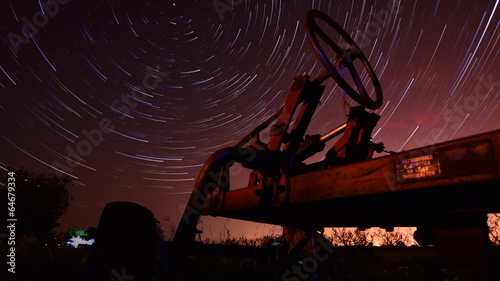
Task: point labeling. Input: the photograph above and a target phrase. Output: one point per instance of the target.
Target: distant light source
(75, 241)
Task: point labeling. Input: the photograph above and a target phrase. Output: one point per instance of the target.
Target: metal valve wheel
(344, 57)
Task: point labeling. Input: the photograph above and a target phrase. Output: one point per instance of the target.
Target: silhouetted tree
(159, 230)
(170, 232)
(394, 238)
(40, 200)
(351, 237)
(494, 224)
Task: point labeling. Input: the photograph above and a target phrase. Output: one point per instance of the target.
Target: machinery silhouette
(445, 190)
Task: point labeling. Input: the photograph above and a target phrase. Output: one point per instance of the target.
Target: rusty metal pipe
(323, 76)
(333, 133)
(207, 182)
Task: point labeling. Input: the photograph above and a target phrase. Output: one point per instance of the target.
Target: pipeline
(213, 178)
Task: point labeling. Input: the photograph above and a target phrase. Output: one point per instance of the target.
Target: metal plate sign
(421, 167)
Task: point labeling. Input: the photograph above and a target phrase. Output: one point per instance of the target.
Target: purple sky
(178, 80)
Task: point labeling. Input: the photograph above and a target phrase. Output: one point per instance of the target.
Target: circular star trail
(130, 98)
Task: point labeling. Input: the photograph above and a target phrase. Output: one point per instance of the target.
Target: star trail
(129, 98)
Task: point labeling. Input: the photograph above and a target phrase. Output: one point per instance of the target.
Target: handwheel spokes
(347, 61)
(351, 54)
(328, 73)
(344, 57)
(354, 73)
(339, 51)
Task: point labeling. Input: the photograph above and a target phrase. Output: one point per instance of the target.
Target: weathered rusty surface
(479, 163)
(371, 193)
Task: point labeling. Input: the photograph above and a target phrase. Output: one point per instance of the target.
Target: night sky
(167, 83)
